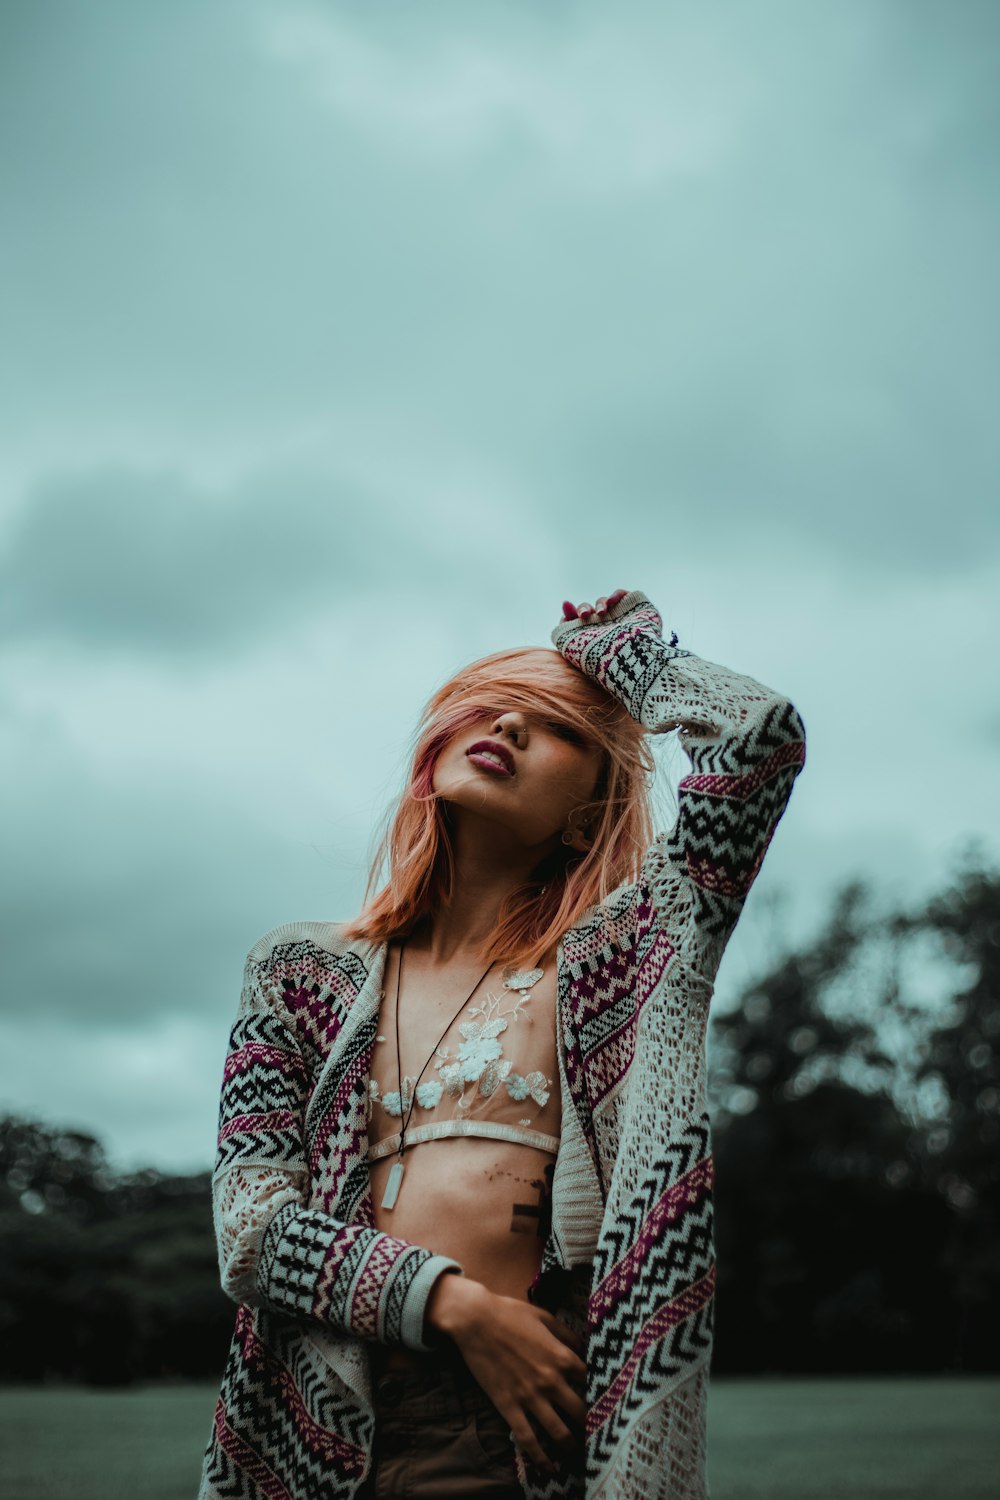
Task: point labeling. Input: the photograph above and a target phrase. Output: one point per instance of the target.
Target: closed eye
(566, 732)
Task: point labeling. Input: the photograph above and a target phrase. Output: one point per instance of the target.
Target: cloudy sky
(341, 343)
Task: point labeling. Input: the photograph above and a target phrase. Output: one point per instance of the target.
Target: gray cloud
(348, 340)
(143, 560)
(736, 269)
(129, 903)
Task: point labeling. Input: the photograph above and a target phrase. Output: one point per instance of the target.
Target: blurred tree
(856, 1126)
(958, 1155)
(46, 1169)
(816, 1220)
(104, 1277)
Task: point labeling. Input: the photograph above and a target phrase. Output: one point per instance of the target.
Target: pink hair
(415, 859)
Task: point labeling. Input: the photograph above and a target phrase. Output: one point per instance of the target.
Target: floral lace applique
(536, 1084)
(398, 1101)
(477, 1060)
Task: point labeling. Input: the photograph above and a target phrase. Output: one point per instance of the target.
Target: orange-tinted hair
(415, 859)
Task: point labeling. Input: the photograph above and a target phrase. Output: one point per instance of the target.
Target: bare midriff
(483, 1201)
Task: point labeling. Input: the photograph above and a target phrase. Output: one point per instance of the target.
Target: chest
(449, 1046)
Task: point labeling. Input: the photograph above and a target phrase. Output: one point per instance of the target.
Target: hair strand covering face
(413, 872)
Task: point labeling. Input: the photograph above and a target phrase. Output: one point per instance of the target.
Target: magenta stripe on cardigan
(690, 1301)
(253, 1053)
(340, 1108)
(739, 788)
(684, 1194)
(326, 1444)
(278, 1119)
(247, 1458)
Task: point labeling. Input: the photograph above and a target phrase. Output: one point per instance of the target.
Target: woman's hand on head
(593, 614)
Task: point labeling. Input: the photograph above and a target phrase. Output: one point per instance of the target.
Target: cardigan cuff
(412, 1322)
(634, 600)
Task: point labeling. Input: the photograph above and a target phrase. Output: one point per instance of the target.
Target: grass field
(871, 1439)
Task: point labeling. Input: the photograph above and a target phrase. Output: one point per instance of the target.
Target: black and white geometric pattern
(313, 1279)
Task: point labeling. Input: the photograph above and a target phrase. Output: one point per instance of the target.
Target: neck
(489, 865)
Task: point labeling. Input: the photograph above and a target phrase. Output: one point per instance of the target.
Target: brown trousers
(438, 1436)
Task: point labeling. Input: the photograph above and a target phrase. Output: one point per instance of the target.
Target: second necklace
(395, 1178)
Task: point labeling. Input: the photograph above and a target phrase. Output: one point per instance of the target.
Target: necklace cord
(399, 1065)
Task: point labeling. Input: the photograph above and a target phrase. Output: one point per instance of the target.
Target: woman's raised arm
(746, 744)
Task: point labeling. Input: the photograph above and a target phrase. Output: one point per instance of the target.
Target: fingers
(562, 1331)
(566, 1336)
(571, 1404)
(541, 1426)
(593, 612)
(527, 1441)
(528, 1364)
(567, 1442)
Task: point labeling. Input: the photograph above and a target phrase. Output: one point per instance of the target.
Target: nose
(512, 725)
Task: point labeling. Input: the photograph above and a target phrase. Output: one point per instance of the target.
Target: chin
(473, 797)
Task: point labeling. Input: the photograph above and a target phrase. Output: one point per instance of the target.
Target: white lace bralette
(477, 1091)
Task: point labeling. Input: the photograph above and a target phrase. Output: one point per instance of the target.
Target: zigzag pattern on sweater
(728, 810)
(284, 1426)
(628, 660)
(293, 1202)
(316, 995)
(650, 1312)
(652, 1303)
(260, 1115)
(337, 1133)
(607, 1039)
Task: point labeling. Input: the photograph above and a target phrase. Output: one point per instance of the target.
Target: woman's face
(525, 771)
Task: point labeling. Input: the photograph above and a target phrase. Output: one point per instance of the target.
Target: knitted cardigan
(629, 1258)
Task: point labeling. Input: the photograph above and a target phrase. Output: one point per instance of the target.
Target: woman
(463, 1186)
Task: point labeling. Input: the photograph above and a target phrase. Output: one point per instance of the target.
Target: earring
(572, 832)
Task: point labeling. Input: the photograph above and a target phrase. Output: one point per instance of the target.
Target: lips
(490, 753)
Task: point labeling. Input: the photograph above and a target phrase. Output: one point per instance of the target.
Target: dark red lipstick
(483, 749)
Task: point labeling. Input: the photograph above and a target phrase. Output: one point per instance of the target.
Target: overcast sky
(341, 343)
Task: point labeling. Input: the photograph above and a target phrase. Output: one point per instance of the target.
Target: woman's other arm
(275, 1251)
(746, 745)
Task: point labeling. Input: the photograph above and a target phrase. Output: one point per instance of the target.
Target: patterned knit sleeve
(275, 1251)
(746, 745)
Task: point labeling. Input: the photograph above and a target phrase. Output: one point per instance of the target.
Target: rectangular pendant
(392, 1184)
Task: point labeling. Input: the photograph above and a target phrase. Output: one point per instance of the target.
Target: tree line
(855, 1095)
